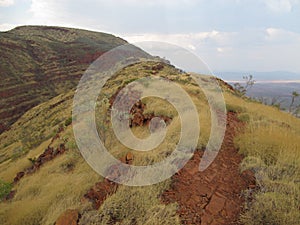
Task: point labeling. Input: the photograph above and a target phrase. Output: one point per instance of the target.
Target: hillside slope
(38, 63)
(52, 182)
(45, 180)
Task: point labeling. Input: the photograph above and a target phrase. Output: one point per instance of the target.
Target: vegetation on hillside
(270, 143)
(52, 189)
(242, 89)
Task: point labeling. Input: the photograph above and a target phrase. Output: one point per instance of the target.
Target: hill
(38, 63)
(278, 93)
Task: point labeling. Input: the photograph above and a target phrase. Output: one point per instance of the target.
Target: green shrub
(32, 160)
(5, 188)
(235, 108)
(68, 121)
(129, 81)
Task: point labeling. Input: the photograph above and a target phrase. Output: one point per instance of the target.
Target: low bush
(5, 189)
(68, 121)
(234, 108)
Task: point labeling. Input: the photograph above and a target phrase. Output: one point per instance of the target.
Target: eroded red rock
(138, 118)
(49, 154)
(69, 217)
(10, 196)
(100, 192)
(19, 176)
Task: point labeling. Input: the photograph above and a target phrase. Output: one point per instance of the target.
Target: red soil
(213, 196)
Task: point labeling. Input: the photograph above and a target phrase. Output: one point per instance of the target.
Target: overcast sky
(229, 35)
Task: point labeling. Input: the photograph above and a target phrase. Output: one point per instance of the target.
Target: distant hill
(275, 93)
(39, 62)
(259, 76)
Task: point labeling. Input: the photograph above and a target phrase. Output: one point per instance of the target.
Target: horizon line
(267, 81)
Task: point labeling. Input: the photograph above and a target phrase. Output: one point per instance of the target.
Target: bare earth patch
(213, 196)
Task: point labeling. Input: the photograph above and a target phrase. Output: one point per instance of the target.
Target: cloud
(253, 49)
(191, 41)
(59, 13)
(51, 11)
(48, 11)
(281, 36)
(5, 3)
(192, 47)
(220, 50)
(280, 6)
(227, 40)
(6, 26)
(168, 3)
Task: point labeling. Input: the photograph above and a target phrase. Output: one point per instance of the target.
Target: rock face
(214, 195)
(138, 118)
(38, 63)
(69, 217)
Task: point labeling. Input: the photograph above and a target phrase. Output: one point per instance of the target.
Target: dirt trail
(214, 196)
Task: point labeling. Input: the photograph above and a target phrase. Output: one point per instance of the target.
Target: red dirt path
(213, 196)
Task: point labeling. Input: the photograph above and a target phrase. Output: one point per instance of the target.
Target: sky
(228, 35)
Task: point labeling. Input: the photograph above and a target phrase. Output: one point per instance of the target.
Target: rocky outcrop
(101, 190)
(49, 154)
(140, 119)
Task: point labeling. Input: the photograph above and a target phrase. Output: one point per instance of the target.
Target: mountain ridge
(40, 62)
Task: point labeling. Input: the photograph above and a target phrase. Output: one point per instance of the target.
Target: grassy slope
(38, 63)
(270, 142)
(50, 191)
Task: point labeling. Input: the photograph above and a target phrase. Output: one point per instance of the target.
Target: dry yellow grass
(271, 145)
(44, 195)
(10, 168)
